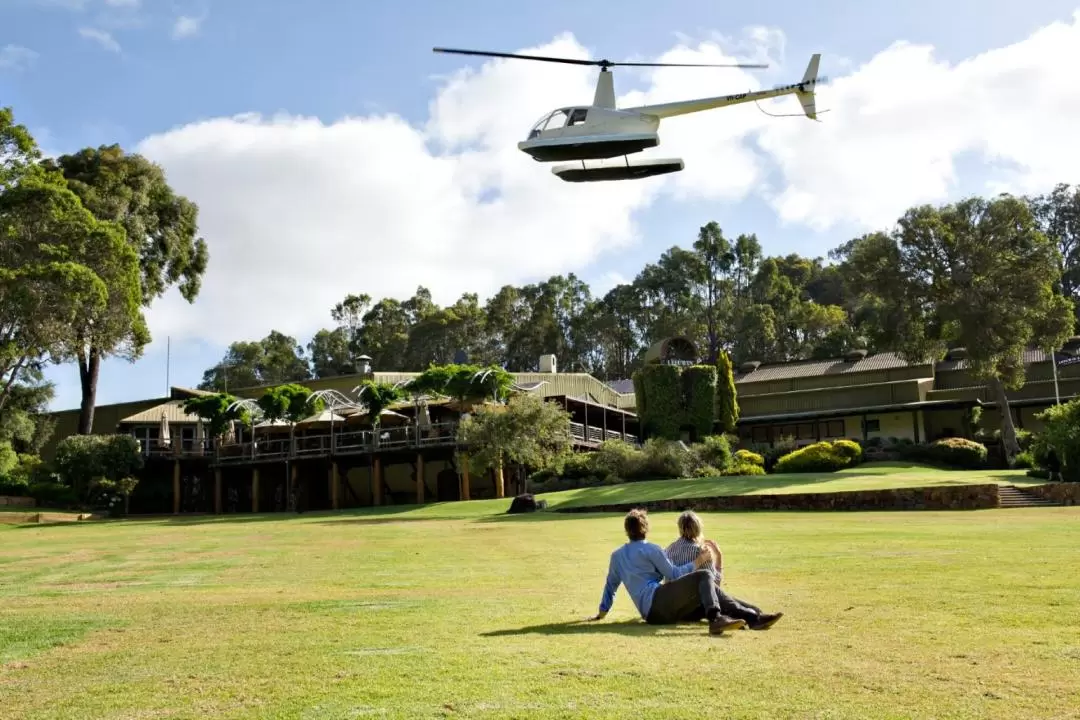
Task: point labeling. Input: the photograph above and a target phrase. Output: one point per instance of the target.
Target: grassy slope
(889, 615)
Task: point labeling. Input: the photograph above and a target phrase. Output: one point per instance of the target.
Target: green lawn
(383, 613)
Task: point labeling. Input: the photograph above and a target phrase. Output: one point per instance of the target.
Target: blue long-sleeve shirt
(639, 565)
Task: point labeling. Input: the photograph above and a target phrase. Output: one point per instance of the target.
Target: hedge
(670, 398)
(727, 404)
(950, 452)
(822, 456)
(746, 457)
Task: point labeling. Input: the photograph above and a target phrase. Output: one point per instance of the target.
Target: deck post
(176, 487)
(376, 480)
(464, 476)
(500, 482)
(419, 478)
(217, 491)
(624, 427)
(255, 490)
(335, 486)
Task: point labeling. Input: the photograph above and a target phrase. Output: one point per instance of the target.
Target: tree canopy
(976, 274)
(526, 431)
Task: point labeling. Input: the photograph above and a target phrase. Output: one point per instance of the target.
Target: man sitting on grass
(689, 595)
(690, 546)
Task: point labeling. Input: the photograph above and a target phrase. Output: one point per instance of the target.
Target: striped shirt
(684, 551)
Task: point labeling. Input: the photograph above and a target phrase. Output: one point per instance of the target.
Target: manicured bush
(772, 453)
(820, 457)
(849, 449)
(727, 404)
(618, 458)
(742, 468)
(746, 457)
(959, 452)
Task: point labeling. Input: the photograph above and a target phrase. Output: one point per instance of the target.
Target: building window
(873, 425)
(761, 434)
(834, 429)
(187, 438)
(788, 431)
(806, 432)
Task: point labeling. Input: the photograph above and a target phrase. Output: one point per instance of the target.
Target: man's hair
(636, 524)
(690, 525)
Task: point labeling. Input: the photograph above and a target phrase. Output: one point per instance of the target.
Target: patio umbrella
(199, 432)
(163, 431)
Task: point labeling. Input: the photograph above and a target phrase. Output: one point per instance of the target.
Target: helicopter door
(577, 117)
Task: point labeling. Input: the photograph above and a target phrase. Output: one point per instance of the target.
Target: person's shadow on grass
(585, 627)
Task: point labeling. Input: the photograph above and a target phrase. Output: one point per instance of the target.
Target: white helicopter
(601, 131)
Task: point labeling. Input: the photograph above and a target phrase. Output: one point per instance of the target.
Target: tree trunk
(89, 367)
(1008, 431)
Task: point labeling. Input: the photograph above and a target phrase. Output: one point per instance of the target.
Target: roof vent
(749, 366)
(547, 364)
(957, 353)
(855, 354)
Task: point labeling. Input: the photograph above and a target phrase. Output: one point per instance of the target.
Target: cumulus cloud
(298, 211)
(186, 26)
(102, 37)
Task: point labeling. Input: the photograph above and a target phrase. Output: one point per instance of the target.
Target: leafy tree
(526, 431)
(330, 353)
(291, 403)
(716, 259)
(728, 405)
(377, 397)
(161, 228)
(217, 412)
(275, 359)
(92, 464)
(976, 274)
(1058, 216)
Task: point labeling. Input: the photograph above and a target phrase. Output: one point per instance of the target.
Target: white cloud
(299, 212)
(101, 37)
(16, 57)
(186, 26)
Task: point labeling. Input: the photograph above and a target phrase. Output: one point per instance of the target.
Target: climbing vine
(670, 398)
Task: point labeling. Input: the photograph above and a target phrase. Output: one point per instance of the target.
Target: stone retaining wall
(954, 497)
(1064, 493)
(17, 501)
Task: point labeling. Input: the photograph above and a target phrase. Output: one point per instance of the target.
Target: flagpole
(168, 353)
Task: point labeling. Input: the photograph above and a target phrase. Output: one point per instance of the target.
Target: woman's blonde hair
(690, 526)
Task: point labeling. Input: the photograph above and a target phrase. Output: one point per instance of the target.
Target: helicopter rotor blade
(601, 63)
(571, 61)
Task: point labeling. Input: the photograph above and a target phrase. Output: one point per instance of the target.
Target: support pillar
(217, 491)
(500, 482)
(376, 480)
(419, 478)
(335, 486)
(255, 490)
(464, 476)
(176, 487)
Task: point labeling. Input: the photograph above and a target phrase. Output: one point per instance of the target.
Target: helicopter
(602, 131)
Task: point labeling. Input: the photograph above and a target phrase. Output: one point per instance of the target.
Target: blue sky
(334, 59)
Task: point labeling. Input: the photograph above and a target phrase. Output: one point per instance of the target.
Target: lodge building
(338, 460)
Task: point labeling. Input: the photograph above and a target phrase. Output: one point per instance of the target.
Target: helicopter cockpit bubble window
(577, 116)
(552, 121)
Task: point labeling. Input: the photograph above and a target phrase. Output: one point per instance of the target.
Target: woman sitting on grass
(690, 546)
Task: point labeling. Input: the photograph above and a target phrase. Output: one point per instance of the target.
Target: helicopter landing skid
(624, 169)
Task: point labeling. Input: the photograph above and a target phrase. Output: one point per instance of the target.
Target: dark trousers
(690, 598)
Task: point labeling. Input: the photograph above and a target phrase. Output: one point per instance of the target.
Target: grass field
(455, 611)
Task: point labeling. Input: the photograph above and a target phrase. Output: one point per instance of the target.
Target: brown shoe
(766, 621)
(722, 622)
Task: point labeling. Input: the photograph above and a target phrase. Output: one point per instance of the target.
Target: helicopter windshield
(552, 121)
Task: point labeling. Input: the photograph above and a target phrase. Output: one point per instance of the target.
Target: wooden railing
(350, 442)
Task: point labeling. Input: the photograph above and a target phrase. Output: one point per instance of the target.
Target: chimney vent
(548, 364)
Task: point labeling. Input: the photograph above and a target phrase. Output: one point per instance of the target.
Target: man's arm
(674, 572)
(610, 586)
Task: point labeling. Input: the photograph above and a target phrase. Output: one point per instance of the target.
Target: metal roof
(173, 411)
(820, 368)
(622, 386)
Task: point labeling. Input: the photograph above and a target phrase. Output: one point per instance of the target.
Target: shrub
(1025, 439)
(666, 459)
(1024, 460)
(849, 449)
(949, 452)
(618, 458)
(820, 457)
(746, 457)
(52, 494)
(1039, 473)
(715, 450)
(739, 468)
(875, 442)
(772, 453)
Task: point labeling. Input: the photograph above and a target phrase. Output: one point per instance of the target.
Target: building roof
(173, 411)
(819, 368)
(624, 387)
(1030, 358)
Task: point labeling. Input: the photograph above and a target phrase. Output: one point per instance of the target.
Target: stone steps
(1010, 496)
